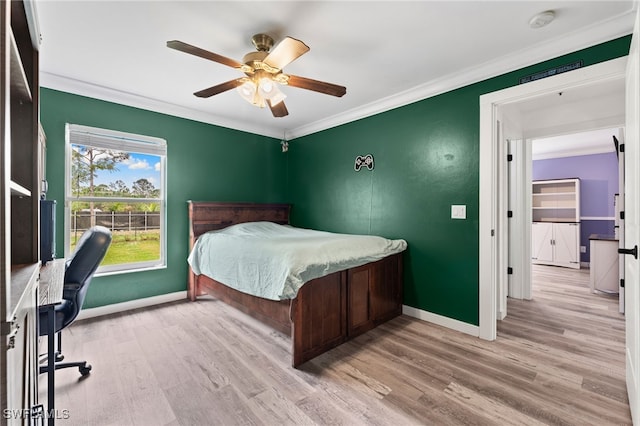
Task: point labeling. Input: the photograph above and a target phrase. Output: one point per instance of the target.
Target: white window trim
(122, 141)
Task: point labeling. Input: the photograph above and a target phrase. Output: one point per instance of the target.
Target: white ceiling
(580, 143)
(578, 121)
(386, 53)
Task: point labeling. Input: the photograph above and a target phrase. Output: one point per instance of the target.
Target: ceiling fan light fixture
(263, 71)
(247, 91)
(267, 88)
(259, 92)
(277, 97)
(259, 101)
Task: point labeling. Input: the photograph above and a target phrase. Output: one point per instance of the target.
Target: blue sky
(137, 167)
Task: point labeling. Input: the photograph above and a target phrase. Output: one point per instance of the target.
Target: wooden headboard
(205, 216)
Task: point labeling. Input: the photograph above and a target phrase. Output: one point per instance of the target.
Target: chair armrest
(69, 290)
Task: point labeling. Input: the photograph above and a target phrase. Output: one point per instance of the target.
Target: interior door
(632, 219)
(519, 218)
(619, 219)
(503, 238)
(511, 190)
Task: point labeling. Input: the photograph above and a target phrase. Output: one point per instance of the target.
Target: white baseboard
(132, 304)
(451, 323)
(182, 295)
(501, 315)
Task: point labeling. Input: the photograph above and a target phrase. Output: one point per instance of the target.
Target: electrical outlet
(583, 249)
(458, 211)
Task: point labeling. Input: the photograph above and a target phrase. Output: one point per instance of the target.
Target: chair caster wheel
(85, 370)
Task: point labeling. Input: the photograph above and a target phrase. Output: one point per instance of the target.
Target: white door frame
(632, 222)
(520, 223)
(493, 246)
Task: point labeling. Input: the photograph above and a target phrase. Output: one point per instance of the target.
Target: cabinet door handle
(633, 251)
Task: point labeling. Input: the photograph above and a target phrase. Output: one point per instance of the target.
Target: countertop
(604, 237)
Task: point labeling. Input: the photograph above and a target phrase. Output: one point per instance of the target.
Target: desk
(50, 294)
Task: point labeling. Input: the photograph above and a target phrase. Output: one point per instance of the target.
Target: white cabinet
(566, 244)
(541, 242)
(555, 231)
(555, 200)
(556, 244)
(604, 272)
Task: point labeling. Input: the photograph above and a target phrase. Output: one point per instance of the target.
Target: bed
(325, 311)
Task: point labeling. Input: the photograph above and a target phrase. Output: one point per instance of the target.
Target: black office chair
(79, 269)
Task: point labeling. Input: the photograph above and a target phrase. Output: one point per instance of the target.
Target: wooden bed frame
(327, 311)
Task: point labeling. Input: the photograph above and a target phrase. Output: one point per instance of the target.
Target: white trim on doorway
(492, 229)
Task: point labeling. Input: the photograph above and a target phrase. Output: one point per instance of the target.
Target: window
(117, 180)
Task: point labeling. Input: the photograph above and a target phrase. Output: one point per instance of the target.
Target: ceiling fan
(263, 69)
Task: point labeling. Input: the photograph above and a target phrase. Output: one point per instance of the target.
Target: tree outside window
(118, 183)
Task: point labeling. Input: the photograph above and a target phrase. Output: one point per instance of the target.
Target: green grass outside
(130, 247)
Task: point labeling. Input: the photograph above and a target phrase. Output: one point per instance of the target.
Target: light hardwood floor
(558, 359)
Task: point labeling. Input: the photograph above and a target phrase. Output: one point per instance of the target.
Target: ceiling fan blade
(279, 109)
(317, 86)
(287, 51)
(193, 50)
(219, 88)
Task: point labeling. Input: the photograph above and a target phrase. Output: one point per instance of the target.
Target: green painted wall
(205, 162)
(426, 159)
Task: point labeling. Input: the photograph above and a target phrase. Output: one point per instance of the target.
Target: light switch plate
(458, 211)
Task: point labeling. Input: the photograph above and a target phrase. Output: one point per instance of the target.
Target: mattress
(273, 261)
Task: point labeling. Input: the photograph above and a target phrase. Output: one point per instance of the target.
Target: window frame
(76, 134)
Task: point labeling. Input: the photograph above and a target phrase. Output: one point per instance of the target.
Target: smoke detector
(542, 19)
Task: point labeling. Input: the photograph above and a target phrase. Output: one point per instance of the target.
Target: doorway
(513, 109)
(588, 161)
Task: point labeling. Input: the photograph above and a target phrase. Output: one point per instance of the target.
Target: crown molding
(82, 88)
(615, 27)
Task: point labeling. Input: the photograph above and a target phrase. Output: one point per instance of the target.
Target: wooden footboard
(271, 312)
(327, 311)
(319, 315)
